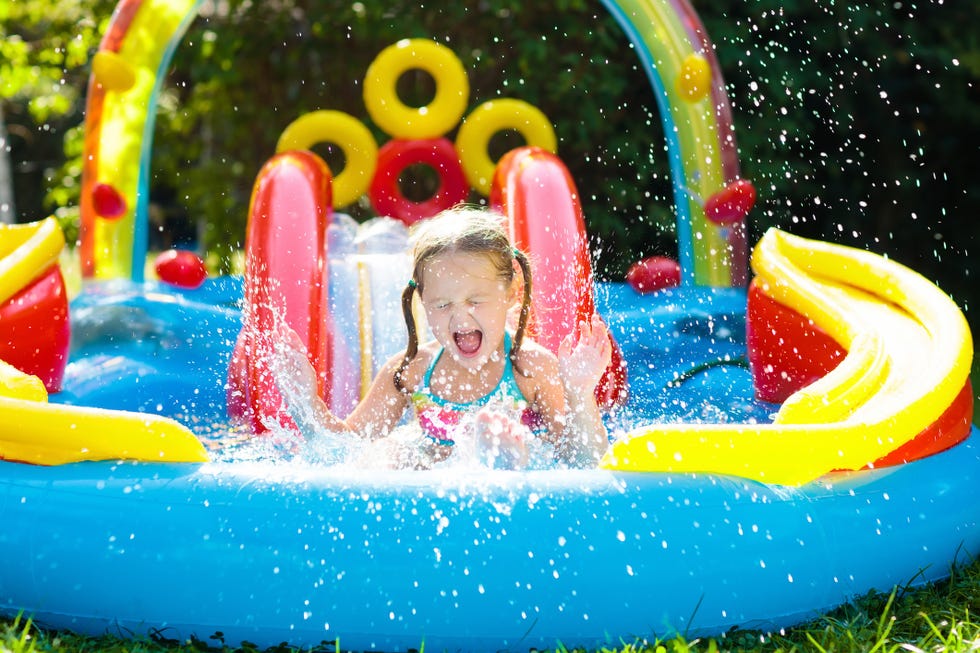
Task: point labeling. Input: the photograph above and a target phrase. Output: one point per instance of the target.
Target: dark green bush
(857, 122)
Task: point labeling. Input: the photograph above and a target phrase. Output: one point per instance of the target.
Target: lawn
(939, 617)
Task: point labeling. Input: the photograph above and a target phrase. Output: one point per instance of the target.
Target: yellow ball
(694, 79)
(112, 71)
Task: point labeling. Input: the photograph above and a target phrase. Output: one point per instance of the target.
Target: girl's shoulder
(417, 367)
(535, 360)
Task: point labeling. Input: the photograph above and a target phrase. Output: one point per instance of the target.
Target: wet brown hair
(466, 230)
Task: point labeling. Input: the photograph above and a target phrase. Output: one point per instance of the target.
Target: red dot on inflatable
(653, 274)
(181, 268)
(107, 201)
(732, 203)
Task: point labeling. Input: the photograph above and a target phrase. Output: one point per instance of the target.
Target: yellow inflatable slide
(34, 431)
(908, 358)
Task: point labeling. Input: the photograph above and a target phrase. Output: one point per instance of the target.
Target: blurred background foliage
(858, 122)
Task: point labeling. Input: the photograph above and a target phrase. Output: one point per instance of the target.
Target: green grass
(942, 616)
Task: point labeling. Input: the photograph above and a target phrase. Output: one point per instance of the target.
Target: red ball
(653, 274)
(107, 201)
(732, 203)
(181, 268)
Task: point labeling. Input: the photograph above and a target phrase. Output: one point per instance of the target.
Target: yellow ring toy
(350, 135)
(474, 136)
(405, 122)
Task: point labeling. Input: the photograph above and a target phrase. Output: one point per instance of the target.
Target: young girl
(476, 385)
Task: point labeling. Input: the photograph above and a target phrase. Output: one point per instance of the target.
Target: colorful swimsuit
(439, 418)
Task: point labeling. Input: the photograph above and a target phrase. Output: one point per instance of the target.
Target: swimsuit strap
(439, 417)
(507, 381)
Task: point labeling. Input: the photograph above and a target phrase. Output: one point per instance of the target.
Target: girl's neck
(459, 384)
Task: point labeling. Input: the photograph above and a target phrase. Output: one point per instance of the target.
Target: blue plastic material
(497, 560)
(268, 552)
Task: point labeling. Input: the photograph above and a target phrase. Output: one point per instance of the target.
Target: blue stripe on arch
(679, 181)
(141, 218)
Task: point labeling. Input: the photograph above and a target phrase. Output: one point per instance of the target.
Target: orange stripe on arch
(119, 25)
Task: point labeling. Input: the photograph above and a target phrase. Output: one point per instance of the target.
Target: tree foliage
(45, 47)
(857, 122)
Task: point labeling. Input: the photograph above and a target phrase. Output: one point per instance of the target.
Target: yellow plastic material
(909, 354)
(112, 71)
(350, 135)
(14, 384)
(27, 250)
(403, 121)
(34, 431)
(694, 79)
(489, 118)
(45, 434)
(130, 77)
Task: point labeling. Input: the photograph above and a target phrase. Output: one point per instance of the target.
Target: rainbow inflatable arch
(779, 446)
(668, 36)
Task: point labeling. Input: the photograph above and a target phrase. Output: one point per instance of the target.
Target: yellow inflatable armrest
(15, 384)
(27, 250)
(34, 431)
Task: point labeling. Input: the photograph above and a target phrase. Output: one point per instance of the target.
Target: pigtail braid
(525, 314)
(412, 349)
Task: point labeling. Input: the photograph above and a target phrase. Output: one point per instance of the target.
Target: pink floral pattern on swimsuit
(439, 423)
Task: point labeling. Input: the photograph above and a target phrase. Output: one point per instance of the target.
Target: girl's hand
(290, 363)
(296, 380)
(584, 355)
(499, 440)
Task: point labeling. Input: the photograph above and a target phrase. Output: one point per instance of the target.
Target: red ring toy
(398, 154)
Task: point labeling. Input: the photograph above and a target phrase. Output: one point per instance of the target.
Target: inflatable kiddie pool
(839, 459)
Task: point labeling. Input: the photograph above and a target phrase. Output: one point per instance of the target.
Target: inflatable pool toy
(653, 274)
(473, 139)
(700, 141)
(34, 301)
(117, 139)
(285, 259)
(180, 267)
(395, 157)
(906, 373)
(346, 132)
(714, 508)
(405, 122)
(269, 552)
(534, 189)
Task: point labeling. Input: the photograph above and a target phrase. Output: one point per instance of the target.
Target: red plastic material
(285, 250)
(653, 273)
(397, 155)
(731, 204)
(181, 268)
(786, 350)
(952, 427)
(34, 329)
(534, 189)
(107, 201)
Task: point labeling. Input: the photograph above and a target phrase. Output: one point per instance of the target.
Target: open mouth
(468, 342)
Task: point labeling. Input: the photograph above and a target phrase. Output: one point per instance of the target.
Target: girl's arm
(381, 408)
(583, 356)
(375, 415)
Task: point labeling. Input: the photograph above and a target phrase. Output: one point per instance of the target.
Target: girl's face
(466, 306)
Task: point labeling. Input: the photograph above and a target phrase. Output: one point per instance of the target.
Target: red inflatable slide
(534, 189)
(285, 279)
